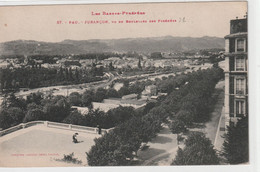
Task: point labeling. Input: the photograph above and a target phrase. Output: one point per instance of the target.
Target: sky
(39, 23)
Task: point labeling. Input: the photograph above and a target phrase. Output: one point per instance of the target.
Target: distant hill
(147, 45)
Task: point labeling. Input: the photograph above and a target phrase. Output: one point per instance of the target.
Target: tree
(87, 98)
(10, 117)
(75, 99)
(149, 106)
(77, 74)
(111, 67)
(235, 146)
(34, 98)
(13, 101)
(136, 88)
(112, 93)
(177, 126)
(66, 74)
(185, 116)
(108, 151)
(100, 94)
(70, 74)
(76, 118)
(126, 83)
(139, 64)
(198, 150)
(148, 128)
(118, 115)
(129, 135)
(57, 109)
(5, 119)
(213, 58)
(156, 55)
(123, 91)
(96, 117)
(34, 114)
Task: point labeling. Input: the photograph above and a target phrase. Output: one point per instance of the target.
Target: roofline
(236, 35)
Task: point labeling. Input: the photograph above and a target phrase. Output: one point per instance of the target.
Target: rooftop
(130, 96)
(133, 102)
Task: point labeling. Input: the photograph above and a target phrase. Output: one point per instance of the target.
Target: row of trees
(194, 102)
(13, 79)
(17, 110)
(198, 149)
(118, 146)
(90, 96)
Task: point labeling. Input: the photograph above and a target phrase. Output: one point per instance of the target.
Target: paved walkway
(161, 149)
(219, 140)
(212, 126)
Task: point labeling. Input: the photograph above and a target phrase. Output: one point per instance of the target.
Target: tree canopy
(235, 146)
(198, 150)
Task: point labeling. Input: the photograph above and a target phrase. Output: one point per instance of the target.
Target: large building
(236, 69)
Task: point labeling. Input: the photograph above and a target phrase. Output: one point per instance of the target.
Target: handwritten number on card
(182, 19)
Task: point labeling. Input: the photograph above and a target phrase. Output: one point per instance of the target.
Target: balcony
(240, 92)
(231, 54)
(240, 68)
(235, 71)
(240, 115)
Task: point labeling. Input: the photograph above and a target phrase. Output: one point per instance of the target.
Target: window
(240, 86)
(240, 45)
(240, 107)
(240, 64)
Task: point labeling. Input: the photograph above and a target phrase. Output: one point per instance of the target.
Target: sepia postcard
(131, 84)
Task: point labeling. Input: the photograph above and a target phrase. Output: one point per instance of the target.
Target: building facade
(236, 69)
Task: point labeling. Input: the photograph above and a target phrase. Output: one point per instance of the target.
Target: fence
(58, 125)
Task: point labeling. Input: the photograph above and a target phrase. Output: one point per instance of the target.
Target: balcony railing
(54, 125)
(240, 115)
(240, 92)
(240, 68)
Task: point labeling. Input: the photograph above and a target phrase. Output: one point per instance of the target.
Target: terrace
(41, 143)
